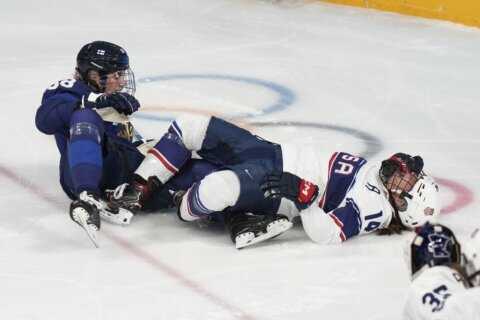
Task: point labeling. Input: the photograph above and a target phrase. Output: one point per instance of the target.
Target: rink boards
(461, 11)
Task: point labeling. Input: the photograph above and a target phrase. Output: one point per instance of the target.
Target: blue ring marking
(286, 97)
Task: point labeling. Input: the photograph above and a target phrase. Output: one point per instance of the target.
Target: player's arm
(286, 185)
(335, 226)
(54, 113)
(319, 226)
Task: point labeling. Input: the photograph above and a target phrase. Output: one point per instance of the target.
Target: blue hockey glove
(291, 187)
(121, 101)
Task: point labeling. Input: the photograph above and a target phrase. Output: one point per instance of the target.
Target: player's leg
(84, 169)
(214, 193)
(165, 159)
(162, 162)
(254, 219)
(236, 188)
(85, 151)
(236, 194)
(193, 171)
(217, 141)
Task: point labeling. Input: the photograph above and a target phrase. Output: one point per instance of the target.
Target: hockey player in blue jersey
(445, 276)
(89, 116)
(337, 196)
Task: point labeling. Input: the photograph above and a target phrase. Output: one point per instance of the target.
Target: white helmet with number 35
(422, 203)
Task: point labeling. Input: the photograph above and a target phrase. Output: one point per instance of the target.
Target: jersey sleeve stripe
(176, 129)
(340, 225)
(330, 162)
(163, 160)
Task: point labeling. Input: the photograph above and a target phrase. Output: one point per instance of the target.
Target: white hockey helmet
(422, 203)
(471, 257)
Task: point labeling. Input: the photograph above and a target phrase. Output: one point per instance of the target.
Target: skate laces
(118, 192)
(84, 196)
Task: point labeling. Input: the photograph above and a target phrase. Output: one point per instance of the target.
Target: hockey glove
(291, 187)
(120, 101)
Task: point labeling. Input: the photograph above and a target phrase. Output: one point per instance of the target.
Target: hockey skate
(85, 212)
(130, 196)
(119, 216)
(247, 229)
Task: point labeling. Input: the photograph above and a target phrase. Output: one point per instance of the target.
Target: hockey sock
(85, 151)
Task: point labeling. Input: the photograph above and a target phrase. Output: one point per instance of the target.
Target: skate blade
(273, 229)
(89, 229)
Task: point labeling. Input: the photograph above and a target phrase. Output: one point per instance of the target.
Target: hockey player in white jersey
(337, 196)
(441, 287)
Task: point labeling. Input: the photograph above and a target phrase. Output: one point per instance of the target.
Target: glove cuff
(307, 191)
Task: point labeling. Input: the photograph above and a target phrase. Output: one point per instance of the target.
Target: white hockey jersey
(352, 199)
(438, 293)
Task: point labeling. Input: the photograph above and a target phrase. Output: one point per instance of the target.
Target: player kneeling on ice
(263, 186)
(89, 116)
(445, 276)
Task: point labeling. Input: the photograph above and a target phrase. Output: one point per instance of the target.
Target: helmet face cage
(109, 60)
(400, 184)
(399, 173)
(434, 245)
(127, 74)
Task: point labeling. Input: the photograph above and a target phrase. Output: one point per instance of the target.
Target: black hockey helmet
(105, 58)
(434, 245)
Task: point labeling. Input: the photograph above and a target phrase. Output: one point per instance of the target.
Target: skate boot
(247, 229)
(131, 196)
(85, 212)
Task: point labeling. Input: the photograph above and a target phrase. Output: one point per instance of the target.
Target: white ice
(410, 83)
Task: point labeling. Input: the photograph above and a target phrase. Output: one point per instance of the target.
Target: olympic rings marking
(285, 96)
(373, 145)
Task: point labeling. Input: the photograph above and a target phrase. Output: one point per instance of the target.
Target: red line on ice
(236, 312)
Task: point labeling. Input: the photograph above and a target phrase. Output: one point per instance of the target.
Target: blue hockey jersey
(120, 144)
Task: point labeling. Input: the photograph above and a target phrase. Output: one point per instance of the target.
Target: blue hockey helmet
(434, 245)
(106, 58)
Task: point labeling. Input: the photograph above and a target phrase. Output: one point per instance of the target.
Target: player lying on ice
(99, 148)
(445, 276)
(262, 185)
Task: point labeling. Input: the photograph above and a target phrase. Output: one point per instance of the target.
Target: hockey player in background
(89, 116)
(262, 186)
(444, 285)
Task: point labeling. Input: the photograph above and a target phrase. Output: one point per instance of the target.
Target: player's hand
(291, 187)
(121, 101)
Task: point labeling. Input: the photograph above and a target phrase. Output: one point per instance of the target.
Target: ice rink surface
(367, 82)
